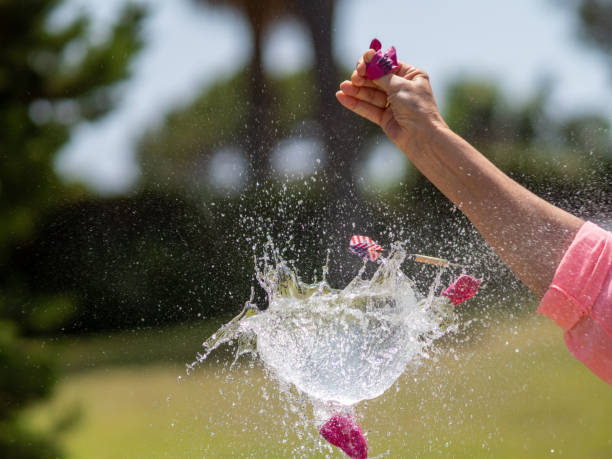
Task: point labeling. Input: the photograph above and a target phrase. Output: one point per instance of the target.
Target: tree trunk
(345, 215)
(258, 139)
(340, 129)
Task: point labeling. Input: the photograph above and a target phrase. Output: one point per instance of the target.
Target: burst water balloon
(338, 346)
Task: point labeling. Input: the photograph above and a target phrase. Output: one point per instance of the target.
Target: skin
(529, 234)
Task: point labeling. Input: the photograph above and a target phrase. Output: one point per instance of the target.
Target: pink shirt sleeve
(579, 299)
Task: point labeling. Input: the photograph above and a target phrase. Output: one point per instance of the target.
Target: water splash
(337, 346)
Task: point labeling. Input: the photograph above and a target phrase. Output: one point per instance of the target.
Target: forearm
(529, 234)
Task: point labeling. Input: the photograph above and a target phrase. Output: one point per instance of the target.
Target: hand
(401, 103)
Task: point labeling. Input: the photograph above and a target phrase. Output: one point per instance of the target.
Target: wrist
(436, 124)
(425, 135)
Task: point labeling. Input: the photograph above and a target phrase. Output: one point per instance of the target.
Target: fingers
(389, 83)
(392, 83)
(358, 77)
(359, 80)
(363, 60)
(410, 72)
(361, 68)
(365, 93)
(384, 82)
(362, 108)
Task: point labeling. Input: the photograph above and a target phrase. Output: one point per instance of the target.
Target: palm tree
(339, 127)
(259, 139)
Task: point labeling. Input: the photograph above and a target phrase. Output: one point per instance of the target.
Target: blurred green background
(109, 286)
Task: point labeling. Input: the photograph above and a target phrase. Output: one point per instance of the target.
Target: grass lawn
(511, 391)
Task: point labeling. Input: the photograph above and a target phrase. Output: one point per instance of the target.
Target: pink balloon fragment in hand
(365, 247)
(381, 63)
(464, 288)
(341, 431)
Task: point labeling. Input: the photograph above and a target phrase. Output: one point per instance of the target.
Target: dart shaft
(431, 260)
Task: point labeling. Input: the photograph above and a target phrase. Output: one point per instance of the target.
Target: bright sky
(519, 43)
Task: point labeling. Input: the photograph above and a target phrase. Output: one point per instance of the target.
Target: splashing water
(338, 346)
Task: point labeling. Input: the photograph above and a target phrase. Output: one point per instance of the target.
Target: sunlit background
(148, 147)
(520, 46)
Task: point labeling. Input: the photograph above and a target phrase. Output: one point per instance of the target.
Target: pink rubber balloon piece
(464, 288)
(381, 63)
(341, 431)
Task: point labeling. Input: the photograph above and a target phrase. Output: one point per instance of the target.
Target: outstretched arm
(529, 234)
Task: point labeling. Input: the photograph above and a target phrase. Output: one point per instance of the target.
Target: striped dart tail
(365, 247)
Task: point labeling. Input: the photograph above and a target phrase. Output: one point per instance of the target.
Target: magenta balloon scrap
(341, 431)
(365, 247)
(464, 288)
(382, 63)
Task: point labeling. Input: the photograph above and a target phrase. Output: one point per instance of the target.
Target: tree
(596, 24)
(549, 156)
(340, 129)
(44, 91)
(258, 136)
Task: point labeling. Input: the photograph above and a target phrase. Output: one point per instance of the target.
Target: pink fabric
(341, 431)
(464, 288)
(381, 63)
(579, 299)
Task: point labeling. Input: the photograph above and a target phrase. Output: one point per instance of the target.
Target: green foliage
(26, 376)
(474, 109)
(175, 157)
(152, 265)
(138, 261)
(44, 91)
(560, 159)
(179, 249)
(556, 157)
(596, 23)
(42, 95)
(522, 138)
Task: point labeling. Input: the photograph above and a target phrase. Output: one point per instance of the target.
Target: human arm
(529, 234)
